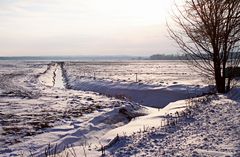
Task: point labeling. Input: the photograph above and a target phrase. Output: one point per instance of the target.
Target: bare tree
(208, 33)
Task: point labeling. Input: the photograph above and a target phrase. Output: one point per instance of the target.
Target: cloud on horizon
(77, 27)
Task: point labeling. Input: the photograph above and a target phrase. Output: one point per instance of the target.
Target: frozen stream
(53, 77)
(58, 83)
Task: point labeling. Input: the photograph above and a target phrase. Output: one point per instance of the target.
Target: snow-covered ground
(209, 128)
(203, 126)
(37, 109)
(157, 84)
(96, 106)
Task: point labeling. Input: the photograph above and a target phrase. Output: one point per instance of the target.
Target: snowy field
(143, 82)
(148, 72)
(112, 108)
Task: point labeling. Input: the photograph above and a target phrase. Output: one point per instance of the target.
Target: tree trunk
(220, 84)
(220, 81)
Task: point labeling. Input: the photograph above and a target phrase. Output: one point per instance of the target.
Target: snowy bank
(210, 128)
(149, 95)
(205, 126)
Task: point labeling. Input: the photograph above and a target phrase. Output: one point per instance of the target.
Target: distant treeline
(233, 55)
(166, 57)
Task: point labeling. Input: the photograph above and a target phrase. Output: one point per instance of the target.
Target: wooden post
(136, 77)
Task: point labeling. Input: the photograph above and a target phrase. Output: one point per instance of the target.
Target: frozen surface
(59, 82)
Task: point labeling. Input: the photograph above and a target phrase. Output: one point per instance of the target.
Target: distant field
(148, 72)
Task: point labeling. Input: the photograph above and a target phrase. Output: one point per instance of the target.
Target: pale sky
(84, 27)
